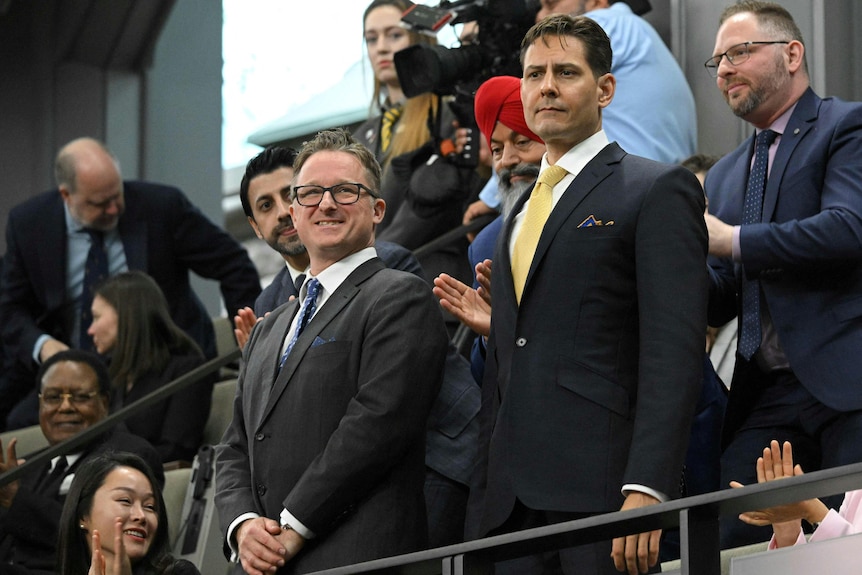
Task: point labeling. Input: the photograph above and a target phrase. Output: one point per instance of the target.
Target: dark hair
(73, 552)
(340, 140)
(699, 163)
(88, 358)
(146, 334)
(265, 162)
(596, 43)
(772, 18)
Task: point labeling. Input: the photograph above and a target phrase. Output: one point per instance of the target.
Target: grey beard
(509, 193)
(509, 198)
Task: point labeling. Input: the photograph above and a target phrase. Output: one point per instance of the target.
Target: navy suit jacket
(807, 252)
(591, 381)
(163, 235)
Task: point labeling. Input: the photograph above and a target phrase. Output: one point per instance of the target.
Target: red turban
(499, 100)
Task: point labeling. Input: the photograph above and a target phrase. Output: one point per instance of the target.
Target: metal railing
(89, 434)
(697, 517)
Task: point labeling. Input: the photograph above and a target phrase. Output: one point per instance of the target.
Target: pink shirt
(847, 521)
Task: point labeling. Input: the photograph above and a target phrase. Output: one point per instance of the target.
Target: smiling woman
(115, 513)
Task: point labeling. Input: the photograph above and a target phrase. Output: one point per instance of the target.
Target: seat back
(221, 411)
(30, 439)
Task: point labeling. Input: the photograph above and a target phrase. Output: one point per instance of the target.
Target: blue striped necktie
(306, 312)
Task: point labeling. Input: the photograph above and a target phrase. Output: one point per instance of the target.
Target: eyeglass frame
(330, 189)
(712, 64)
(74, 398)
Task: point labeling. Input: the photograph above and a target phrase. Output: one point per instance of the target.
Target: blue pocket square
(320, 341)
(593, 221)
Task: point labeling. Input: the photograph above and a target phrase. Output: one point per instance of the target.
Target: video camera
(445, 71)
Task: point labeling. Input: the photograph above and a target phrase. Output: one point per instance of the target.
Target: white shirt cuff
(231, 538)
(629, 487)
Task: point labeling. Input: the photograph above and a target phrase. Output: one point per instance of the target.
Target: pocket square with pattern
(592, 220)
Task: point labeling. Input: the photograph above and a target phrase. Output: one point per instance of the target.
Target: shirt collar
(335, 274)
(780, 123)
(580, 154)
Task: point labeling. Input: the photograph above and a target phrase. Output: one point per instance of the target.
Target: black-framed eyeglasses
(54, 399)
(344, 194)
(736, 55)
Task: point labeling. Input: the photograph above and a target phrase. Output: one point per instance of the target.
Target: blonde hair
(412, 130)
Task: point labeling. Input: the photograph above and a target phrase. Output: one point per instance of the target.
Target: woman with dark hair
(114, 521)
(146, 350)
(425, 192)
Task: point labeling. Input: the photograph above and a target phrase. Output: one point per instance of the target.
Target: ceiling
(107, 34)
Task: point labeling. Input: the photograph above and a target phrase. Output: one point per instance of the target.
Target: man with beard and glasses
(517, 153)
(785, 254)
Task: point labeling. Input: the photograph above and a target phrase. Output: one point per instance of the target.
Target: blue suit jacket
(807, 252)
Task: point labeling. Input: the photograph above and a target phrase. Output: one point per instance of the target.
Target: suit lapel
(270, 354)
(801, 121)
(133, 232)
(326, 314)
(506, 284)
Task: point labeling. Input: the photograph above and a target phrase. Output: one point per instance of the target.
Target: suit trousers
(592, 559)
(785, 411)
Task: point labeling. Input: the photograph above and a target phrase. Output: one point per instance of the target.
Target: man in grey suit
(323, 463)
(595, 354)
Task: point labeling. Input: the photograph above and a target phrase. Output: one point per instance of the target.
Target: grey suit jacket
(336, 436)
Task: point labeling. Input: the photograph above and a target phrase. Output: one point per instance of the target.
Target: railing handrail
(691, 514)
(113, 419)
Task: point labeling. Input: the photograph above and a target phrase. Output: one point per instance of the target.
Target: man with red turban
(517, 153)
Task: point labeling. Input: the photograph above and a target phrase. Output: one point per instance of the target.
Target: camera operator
(425, 191)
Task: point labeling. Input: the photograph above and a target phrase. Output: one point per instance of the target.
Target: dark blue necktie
(309, 305)
(95, 272)
(750, 334)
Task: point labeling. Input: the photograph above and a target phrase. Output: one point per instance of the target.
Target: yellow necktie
(390, 117)
(534, 221)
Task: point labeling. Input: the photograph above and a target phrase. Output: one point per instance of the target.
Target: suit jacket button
(521, 342)
(259, 437)
(261, 489)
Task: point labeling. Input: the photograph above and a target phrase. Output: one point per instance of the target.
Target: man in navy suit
(599, 311)
(145, 226)
(800, 256)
